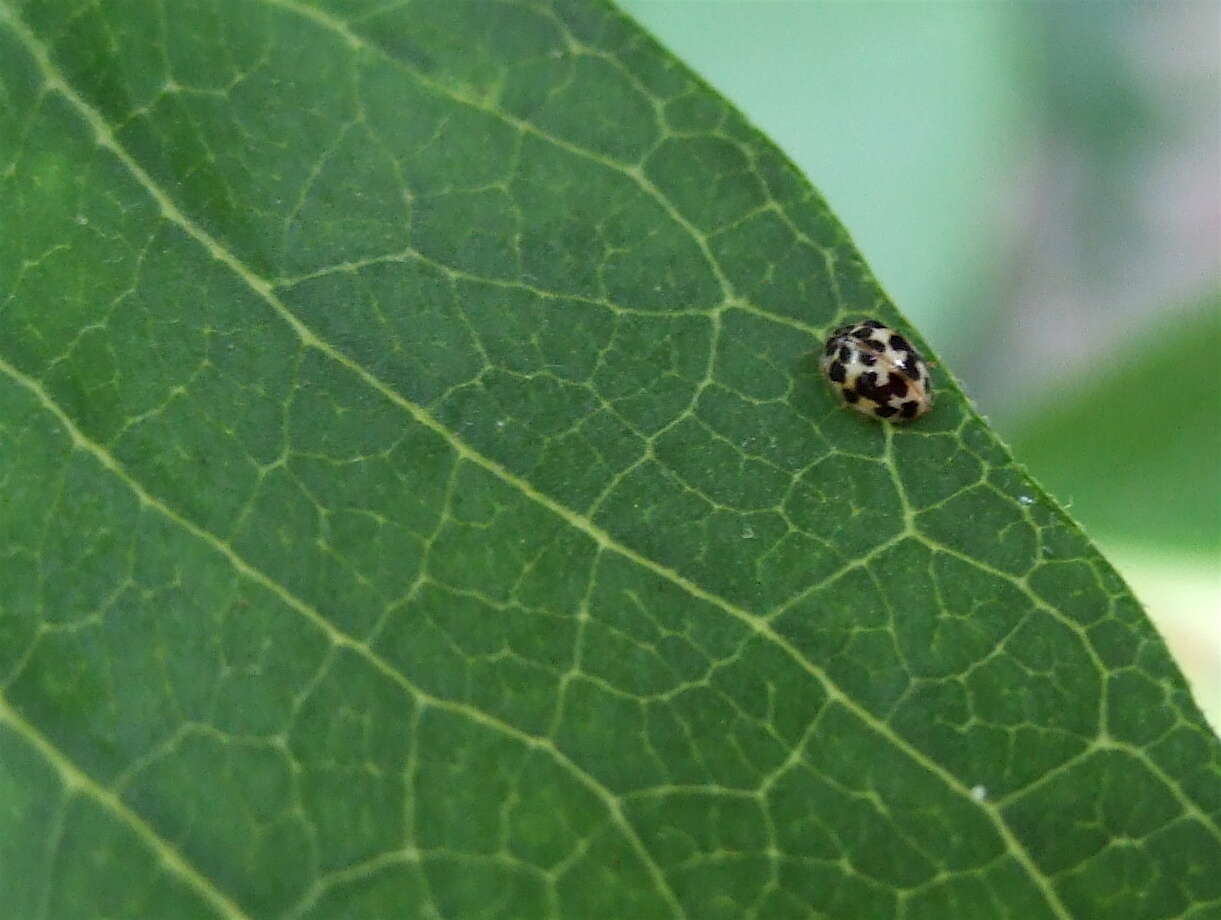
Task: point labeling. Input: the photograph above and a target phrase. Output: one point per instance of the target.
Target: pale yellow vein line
(76, 780)
(264, 289)
(411, 254)
(341, 639)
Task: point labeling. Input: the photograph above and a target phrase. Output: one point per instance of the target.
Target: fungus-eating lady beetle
(877, 372)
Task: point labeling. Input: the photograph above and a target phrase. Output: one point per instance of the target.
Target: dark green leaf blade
(420, 500)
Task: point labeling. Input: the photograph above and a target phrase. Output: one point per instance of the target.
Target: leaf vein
(76, 779)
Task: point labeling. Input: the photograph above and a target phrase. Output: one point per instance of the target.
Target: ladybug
(877, 371)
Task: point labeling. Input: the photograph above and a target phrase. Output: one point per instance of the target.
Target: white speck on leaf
(1025, 499)
(979, 793)
(748, 533)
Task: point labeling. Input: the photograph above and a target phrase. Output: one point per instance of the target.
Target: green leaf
(419, 500)
(1134, 447)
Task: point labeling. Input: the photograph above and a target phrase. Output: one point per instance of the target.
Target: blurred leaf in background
(1039, 188)
(1137, 440)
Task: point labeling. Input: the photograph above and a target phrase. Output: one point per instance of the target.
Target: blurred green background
(1038, 186)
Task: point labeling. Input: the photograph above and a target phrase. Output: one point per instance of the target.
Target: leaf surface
(419, 499)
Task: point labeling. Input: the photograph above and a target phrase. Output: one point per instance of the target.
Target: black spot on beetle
(830, 349)
(898, 386)
(899, 343)
(909, 409)
(876, 346)
(868, 387)
(836, 372)
(845, 353)
(860, 332)
(868, 360)
(885, 411)
(851, 395)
